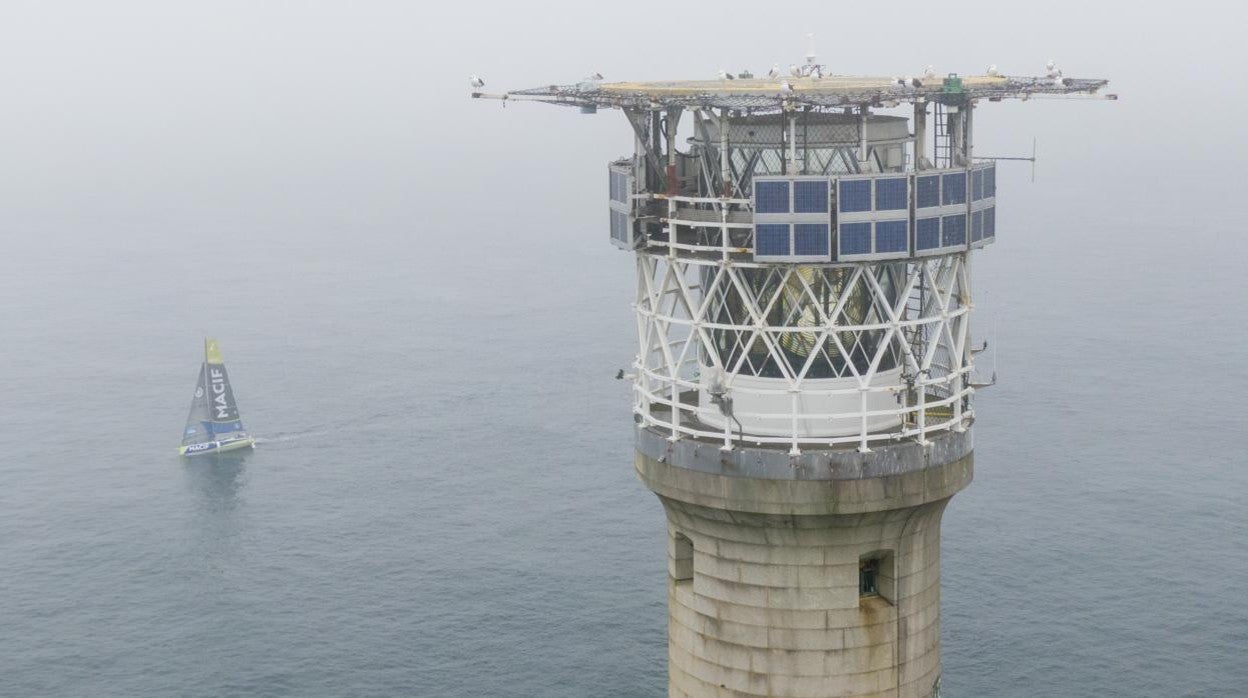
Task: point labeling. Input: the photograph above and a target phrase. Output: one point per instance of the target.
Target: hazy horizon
(422, 316)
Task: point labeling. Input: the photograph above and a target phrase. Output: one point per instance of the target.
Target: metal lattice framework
(816, 355)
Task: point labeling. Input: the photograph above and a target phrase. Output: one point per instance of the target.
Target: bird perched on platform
(929, 72)
(775, 71)
(476, 81)
(595, 76)
(816, 73)
(725, 75)
(992, 70)
(1053, 70)
(795, 71)
(786, 88)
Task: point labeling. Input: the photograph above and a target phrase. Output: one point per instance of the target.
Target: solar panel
(771, 197)
(990, 222)
(953, 230)
(810, 196)
(771, 240)
(927, 233)
(977, 185)
(990, 181)
(927, 191)
(854, 195)
(855, 238)
(810, 239)
(619, 186)
(953, 189)
(892, 236)
(892, 194)
(620, 229)
(977, 226)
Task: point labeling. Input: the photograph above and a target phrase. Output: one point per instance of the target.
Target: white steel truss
(802, 355)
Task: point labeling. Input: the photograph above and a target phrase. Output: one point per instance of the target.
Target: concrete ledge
(816, 464)
(806, 497)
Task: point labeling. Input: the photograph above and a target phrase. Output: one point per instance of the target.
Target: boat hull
(208, 447)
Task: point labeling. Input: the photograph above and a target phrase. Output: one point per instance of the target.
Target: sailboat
(213, 426)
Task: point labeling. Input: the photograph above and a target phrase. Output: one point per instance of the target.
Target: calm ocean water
(443, 501)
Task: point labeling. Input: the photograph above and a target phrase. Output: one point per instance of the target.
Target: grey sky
(125, 115)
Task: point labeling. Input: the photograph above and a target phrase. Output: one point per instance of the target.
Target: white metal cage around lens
(904, 359)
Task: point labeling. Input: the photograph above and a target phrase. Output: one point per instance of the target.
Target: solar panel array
(983, 221)
(792, 219)
(873, 216)
(623, 228)
(619, 183)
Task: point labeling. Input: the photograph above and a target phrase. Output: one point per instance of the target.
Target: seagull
(476, 81)
(992, 70)
(596, 76)
(915, 82)
(1054, 71)
(795, 71)
(929, 72)
(775, 71)
(725, 75)
(815, 73)
(786, 88)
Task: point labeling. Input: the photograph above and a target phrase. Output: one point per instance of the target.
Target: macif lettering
(218, 388)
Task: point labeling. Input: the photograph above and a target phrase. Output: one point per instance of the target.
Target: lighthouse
(804, 375)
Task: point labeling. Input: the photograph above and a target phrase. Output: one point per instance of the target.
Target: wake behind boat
(213, 426)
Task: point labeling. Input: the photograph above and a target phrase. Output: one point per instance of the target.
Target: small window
(868, 577)
(682, 558)
(876, 576)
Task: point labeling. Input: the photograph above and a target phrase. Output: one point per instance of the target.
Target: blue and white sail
(213, 424)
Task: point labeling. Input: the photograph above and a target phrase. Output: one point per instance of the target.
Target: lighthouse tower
(804, 375)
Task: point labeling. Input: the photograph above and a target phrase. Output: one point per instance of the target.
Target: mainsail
(214, 413)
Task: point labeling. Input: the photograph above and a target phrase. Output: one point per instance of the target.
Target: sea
(442, 501)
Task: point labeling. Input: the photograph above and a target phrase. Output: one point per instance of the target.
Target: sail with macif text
(213, 424)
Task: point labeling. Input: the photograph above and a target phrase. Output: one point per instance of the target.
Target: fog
(188, 117)
(422, 314)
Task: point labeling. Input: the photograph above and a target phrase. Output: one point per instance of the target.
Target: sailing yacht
(213, 426)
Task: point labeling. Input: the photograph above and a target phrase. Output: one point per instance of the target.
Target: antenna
(1031, 159)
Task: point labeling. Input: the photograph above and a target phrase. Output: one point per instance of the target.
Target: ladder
(942, 143)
